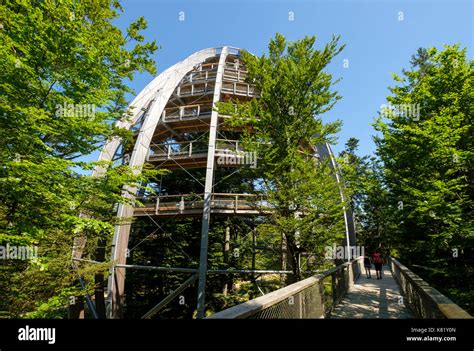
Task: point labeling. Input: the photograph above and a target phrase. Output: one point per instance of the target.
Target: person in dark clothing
(378, 262)
(367, 265)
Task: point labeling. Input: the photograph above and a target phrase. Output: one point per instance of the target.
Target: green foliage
(415, 200)
(294, 91)
(427, 167)
(369, 199)
(53, 54)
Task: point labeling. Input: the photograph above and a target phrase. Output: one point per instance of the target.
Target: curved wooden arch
(160, 90)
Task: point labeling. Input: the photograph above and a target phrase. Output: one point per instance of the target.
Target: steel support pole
(343, 199)
(90, 304)
(160, 91)
(206, 213)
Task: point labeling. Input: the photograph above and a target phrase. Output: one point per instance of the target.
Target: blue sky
(377, 42)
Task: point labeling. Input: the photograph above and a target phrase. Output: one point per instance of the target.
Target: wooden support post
(157, 208)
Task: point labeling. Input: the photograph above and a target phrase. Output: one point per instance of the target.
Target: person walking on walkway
(378, 262)
(367, 265)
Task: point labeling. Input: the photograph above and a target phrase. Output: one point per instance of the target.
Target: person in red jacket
(377, 259)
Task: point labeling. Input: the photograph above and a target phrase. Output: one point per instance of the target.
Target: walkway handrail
(313, 297)
(180, 203)
(424, 300)
(191, 148)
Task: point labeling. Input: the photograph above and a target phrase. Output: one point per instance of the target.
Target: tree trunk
(283, 277)
(293, 259)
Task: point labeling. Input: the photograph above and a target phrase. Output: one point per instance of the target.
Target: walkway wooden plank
(372, 298)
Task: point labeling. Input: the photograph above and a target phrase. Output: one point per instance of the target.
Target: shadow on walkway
(372, 298)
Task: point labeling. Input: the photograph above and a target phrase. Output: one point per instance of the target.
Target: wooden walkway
(372, 298)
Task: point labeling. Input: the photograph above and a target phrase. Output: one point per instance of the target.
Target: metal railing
(195, 89)
(237, 76)
(190, 203)
(177, 150)
(314, 297)
(235, 71)
(180, 113)
(200, 76)
(238, 88)
(189, 149)
(424, 300)
(235, 66)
